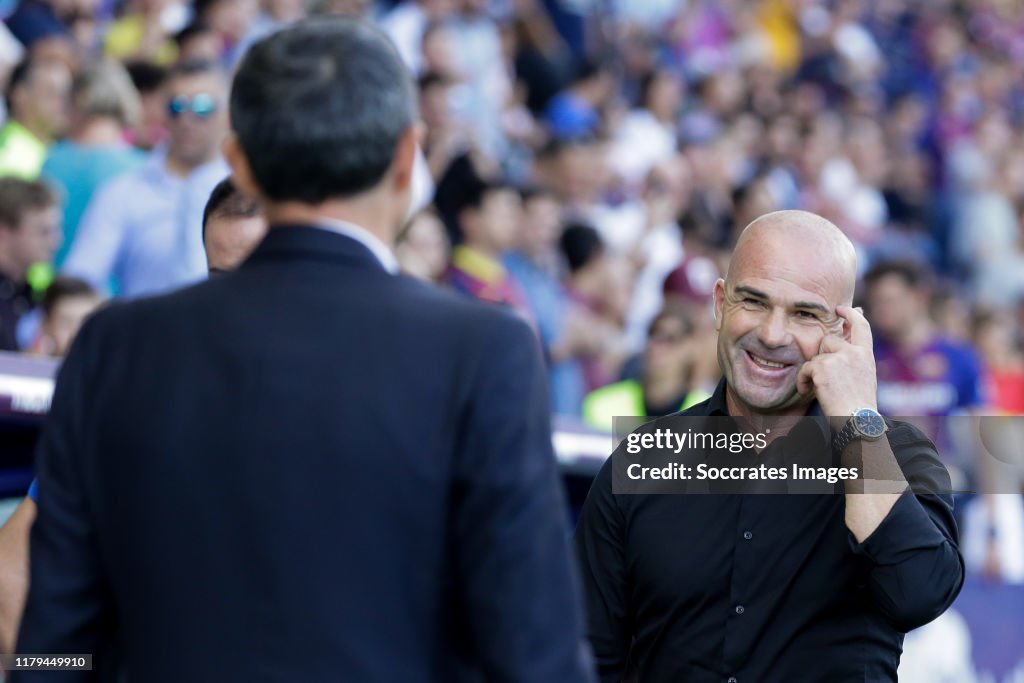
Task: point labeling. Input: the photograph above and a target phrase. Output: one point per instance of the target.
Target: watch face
(869, 423)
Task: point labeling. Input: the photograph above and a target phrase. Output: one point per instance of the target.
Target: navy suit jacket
(306, 470)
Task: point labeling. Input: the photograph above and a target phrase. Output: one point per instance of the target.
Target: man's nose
(773, 331)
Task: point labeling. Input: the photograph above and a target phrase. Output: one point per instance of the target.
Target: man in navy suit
(313, 468)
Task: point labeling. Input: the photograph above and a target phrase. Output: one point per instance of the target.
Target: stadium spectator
(140, 230)
(67, 303)
(599, 289)
(920, 372)
(576, 112)
(230, 21)
(30, 233)
(666, 383)
(488, 220)
(445, 137)
(151, 129)
(104, 104)
(993, 337)
(45, 25)
(232, 227)
(538, 265)
(197, 42)
(406, 23)
(38, 94)
(649, 133)
(144, 32)
(423, 249)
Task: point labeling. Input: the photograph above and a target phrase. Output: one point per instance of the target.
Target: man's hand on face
(842, 375)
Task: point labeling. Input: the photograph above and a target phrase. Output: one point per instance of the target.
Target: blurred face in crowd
(438, 10)
(230, 239)
(35, 240)
(203, 46)
(423, 248)
(542, 224)
(894, 305)
(492, 227)
(438, 49)
(788, 273)
(667, 351)
(994, 339)
(231, 18)
(664, 96)
(42, 102)
(63, 323)
(200, 123)
(435, 110)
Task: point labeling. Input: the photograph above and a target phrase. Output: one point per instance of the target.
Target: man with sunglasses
(138, 232)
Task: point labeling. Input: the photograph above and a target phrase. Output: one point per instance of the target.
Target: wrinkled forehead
(792, 272)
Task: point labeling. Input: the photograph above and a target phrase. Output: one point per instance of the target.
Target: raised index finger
(860, 328)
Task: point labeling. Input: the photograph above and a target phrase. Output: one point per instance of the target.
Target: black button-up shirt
(759, 588)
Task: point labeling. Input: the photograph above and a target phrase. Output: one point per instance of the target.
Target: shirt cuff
(907, 528)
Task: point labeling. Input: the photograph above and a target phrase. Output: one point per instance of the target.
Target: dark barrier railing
(26, 386)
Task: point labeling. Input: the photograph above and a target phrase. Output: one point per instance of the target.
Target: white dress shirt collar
(365, 237)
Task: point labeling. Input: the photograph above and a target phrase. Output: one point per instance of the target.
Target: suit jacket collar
(309, 242)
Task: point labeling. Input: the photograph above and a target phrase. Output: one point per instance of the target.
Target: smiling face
(789, 272)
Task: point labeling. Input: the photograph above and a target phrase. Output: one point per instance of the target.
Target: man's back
(308, 469)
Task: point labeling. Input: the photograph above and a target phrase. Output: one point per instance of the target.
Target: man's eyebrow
(804, 305)
(812, 305)
(744, 289)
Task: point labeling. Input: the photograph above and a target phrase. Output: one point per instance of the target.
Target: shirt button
(739, 609)
(747, 535)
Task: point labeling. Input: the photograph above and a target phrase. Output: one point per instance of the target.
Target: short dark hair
(17, 197)
(227, 202)
(22, 73)
(911, 273)
(19, 75)
(319, 109)
(65, 287)
(476, 189)
(194, 28)
(581, 244)
(146, 76)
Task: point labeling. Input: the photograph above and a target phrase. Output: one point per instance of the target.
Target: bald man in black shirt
(745, 588)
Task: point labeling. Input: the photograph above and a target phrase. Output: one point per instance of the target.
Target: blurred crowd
(592, 164)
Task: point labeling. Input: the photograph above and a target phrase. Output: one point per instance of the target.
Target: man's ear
(405, 157)
(241, 172)
(719, 307)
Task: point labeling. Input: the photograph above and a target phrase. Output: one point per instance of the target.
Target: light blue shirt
(79, 170)
(138, 229)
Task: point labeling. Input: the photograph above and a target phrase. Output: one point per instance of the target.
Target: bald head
(807, 238)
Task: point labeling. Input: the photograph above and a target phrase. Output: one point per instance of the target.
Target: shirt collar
(360, 234)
